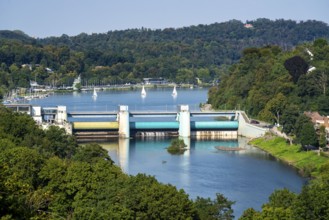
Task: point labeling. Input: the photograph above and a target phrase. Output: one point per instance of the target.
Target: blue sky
(43, 18)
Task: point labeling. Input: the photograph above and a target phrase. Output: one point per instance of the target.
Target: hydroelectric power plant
(103, 125)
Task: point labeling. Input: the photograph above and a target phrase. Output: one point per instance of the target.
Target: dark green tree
(305, 132)
(312, 202)
(219, 208)
(58, 143)
(90, 152)
(323, 105)
(296, 66)
(322, 137)
(289, 118)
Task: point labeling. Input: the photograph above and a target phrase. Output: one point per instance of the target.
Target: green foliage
(320, 43)
(50, 177)
(19, 128)
(291, 154)
(90, 152)
(220, 208)
(312, 203)
(179, 55)
(250, 214)
(59, 143)
(276, 86)
(19, 169)
(323, 105)
(177, 146)
(305, 132)
(322, 137)
(289, 118)
(274, 108)
(281, 198)
(296, 66)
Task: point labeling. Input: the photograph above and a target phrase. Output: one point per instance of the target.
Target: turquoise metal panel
(216, 125)
(153, 125)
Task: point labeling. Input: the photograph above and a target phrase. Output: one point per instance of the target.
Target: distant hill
(218, 43)
(16, 35)
(181, 55)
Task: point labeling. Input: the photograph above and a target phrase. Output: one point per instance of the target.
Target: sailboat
(143, 93)
(94, 94)
(174, 92)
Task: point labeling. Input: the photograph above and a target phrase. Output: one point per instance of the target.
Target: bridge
(87, 125)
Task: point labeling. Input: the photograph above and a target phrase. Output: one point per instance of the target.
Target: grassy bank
(308, 163)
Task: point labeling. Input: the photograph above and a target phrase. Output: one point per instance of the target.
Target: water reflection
(247, 176)
(123, 153)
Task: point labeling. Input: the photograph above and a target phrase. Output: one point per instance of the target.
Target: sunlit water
(248, 176)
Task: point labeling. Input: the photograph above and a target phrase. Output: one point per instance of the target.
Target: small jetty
(229, 148)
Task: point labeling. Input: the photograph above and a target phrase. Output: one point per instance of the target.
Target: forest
(279, 86)
(201, 53)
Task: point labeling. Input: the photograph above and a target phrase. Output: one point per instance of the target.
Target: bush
(177, 147)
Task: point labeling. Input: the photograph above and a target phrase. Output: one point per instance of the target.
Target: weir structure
(182, 123)
(123, 124)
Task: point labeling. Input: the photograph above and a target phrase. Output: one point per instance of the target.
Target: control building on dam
(87, 126)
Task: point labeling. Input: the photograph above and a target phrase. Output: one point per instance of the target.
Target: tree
(289, 118)
(276, 106)
(281, 198)
(323, 81)
(312, 202)
(219, 208)
(320, 43)
(177, 146)
(323, 104)
(19, 169)
(90, 152)
(305, 132)
(322, 137)
(250, 214)
(280, 206)
(296, 66)
(58, 143)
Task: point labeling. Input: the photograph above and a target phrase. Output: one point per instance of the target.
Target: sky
(45, 18)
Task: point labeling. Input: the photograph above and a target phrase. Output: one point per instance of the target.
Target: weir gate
(182, 123)
(97, 125)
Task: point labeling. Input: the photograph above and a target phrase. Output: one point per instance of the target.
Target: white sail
(94, 94)
(143, 93)
(174, 92)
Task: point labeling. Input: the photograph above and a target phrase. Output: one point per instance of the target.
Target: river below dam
(247, 176)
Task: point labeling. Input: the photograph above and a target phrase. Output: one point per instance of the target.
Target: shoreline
(282, 160)
(306, 163)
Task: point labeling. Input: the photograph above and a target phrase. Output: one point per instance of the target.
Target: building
(248, 26)
(319, 121)
(155, 81)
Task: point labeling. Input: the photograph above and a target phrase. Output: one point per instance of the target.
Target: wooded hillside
(115, 57)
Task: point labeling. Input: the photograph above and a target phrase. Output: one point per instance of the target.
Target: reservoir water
(248, 176)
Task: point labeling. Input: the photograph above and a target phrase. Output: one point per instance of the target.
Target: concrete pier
(123, 119)
(184, 118)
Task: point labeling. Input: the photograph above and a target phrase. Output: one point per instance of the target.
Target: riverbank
(308, 163)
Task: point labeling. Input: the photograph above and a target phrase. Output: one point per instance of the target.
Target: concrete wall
(248, 130)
